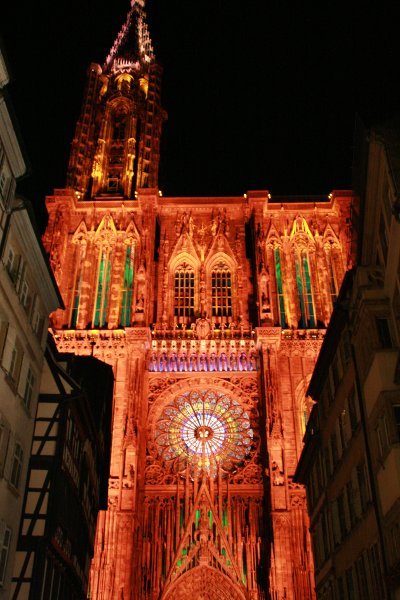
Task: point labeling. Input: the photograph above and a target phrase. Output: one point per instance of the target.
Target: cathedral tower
(115, 150)
(211, 312)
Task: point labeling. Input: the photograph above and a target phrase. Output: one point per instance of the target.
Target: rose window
(203, 428)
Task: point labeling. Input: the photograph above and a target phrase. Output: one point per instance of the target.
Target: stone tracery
(206, 429)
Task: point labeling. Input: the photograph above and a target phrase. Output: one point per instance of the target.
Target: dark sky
(261, 94)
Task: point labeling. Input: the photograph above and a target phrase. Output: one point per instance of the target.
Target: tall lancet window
(333, 287)
(127, 291)
(102, 289)
(221, 286)
(307, 318)
(184, 291)
(281, 302)
(76, 293)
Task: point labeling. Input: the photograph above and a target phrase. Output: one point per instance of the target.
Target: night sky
(260, 94)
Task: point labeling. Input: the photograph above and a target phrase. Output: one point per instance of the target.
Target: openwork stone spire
(115, 150)
(132, 48)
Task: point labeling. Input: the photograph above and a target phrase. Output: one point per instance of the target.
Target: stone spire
(132, 50)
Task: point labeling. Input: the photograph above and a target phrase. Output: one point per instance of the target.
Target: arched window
(184, 291)
(102, 288)
(127, 290)
(278, 273)
(307, 318)
(76, 294)
(221, 286)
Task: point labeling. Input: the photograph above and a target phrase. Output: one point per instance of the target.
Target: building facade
(350, 459)
(27, 294)
(211, 312)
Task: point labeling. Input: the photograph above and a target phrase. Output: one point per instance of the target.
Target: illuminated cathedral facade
(211, 312)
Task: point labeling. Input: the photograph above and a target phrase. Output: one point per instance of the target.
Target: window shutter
(8, 348)
(3, 336)
(335, 521)
(2, 532)
(356, 494)
(9, 457)
(4, 442)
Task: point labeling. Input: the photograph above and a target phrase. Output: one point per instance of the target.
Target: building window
(103, 284)
(351, 503)
(16, 468)
(5, 538)
(375, 569)
(113, 184)
(334, 449)
(352, 407)
(29, 385)
(184, 291)
(37, 319)
(72, 437)
(383, 238)
(10, 265)
(221, 285)
(382, 436)
(24, 295)
(351, 593)
(362, 579)
(396, 414)
(12, 357)
(127, 291)
(382, 326)
(362, 479)
(5, 184)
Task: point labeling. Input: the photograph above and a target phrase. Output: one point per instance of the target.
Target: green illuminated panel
(96, 320)
(309, 299)
(301, 297)
(128, 287)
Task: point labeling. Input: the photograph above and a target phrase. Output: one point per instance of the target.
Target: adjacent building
(211, 312)
(67, 479)
(27, 294)
(350, 462)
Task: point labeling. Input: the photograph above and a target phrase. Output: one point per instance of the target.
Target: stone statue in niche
(141, 288)
(277, 466)
(264, 290)
(213, 226)
(225, 223)
(202, 328)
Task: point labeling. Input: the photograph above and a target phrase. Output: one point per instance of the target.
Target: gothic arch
(184, 286)
(273, 238)
(204, 583)
(330, 239)
(80, 233)
(219, 256)
(106, 231)
(220, 284)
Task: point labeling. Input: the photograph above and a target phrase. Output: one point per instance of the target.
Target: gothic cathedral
(211, 312)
